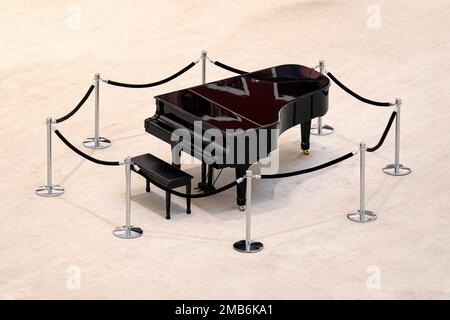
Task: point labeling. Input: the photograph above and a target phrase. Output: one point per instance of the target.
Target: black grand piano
(222, 123)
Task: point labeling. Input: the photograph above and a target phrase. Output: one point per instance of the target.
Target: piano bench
(156, 170)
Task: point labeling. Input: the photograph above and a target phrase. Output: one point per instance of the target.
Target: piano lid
(250, 100)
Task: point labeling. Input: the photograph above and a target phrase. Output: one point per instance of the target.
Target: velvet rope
(355, 95)
(84, 155)
(152, 84)
(79, 105)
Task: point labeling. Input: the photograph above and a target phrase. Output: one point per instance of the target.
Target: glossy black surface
(163, 173)
(156, 170)
(253, 100)
(275, 98)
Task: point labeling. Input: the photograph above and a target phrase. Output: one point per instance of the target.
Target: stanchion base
(128, 232)
(240, 246)
(103, 143)
(399, 170)
(356, 216)
(324, 130)
(50, 191)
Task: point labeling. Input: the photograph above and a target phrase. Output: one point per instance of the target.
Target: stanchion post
(397, 169)
(362, 215)
(320, 129)
(203, 58)
(128, 231)
(247, 245)
(97, 142)
(50, 189)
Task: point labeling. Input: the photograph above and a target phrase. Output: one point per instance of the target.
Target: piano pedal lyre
(306, 152)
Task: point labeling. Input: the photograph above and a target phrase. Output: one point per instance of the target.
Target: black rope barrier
(84, 155)
(298, 172)
(337, 160)
(152, 84)
(224, 66)
(355, 95)
(236, 182)
(198, 195)
(385, 132)
(79, 105)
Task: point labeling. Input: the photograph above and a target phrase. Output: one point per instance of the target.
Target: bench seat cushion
(158, 170)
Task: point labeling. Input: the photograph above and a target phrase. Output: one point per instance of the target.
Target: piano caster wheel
(306, 152)
(241, 208)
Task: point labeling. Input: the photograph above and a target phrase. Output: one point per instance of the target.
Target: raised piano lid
(251, 100)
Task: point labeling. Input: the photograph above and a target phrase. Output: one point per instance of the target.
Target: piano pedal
(306, 152)
(200, 186)
(204, 187)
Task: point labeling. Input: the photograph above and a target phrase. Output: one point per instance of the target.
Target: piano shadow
(264, 192)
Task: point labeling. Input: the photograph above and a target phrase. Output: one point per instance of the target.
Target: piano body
(273, 99)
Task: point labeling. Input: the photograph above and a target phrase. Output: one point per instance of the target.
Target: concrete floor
(63, 247)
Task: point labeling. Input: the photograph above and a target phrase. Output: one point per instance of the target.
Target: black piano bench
(167, 175)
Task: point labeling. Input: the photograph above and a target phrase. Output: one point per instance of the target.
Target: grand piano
(225, 123)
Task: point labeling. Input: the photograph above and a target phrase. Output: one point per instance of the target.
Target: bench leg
(147, 185)
(188, 200)
(167, 205)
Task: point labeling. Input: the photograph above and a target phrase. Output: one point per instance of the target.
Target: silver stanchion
(397, 169)
(362, 215)
(128, 231)
(97, 142)
(203, 57)
(50, 189)
(320, 129)
(247, 245)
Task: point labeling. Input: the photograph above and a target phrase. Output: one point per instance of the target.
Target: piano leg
(305, 132)
(206, 184)
(174, 163)
(202, 185)
(210, 186)
(203, 173)
(241, 188)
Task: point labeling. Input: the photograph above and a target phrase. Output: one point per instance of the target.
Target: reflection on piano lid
(239, 88)
(251, 100)
(274, 98)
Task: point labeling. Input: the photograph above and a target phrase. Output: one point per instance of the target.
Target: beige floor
(311, 249)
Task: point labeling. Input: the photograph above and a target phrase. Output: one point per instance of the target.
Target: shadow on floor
(291, 158)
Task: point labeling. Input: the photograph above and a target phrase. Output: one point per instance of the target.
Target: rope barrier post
(397, 169)
(247, 245)
(128, 231)
(321, 129)
(362, 215)
(50, 189)
(203, 57)
(97, 142)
